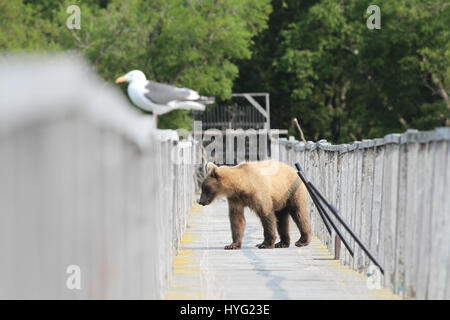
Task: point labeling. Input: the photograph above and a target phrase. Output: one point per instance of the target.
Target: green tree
(191, 43)
(345, 81)
(20, 30)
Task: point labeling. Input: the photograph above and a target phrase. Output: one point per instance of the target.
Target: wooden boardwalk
(204, 270)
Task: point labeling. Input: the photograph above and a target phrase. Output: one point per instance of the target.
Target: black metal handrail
(318, 199)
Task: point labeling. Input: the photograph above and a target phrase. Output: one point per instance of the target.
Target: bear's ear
(210, 166)
(211, 169)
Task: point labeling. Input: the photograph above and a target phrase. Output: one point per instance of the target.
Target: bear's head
(211, 186)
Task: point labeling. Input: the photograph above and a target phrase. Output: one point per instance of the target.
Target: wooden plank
(446, 208)
(377, 199)
(389, 207)
(330, 184)
(412, 230)
(401, 219)
(62, 162)
(367, 163)
(112, 151)
(440, 223)
(88, 207)
(425, 191)
(352, 200)
(358, 211)
(347, 199)
(8, 186)
(340, 200)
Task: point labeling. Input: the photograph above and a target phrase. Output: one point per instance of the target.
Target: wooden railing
(86, 191)
(395, 194)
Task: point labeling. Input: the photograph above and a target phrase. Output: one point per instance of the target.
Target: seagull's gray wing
(164, 93)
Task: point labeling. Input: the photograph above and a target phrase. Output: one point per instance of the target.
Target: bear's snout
(204, 201)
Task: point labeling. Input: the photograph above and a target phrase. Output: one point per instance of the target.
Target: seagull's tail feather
(188, 105)
(205, 100)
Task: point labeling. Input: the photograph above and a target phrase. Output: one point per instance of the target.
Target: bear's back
(270, 178)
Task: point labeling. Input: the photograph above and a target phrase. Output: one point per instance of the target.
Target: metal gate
(248, 114)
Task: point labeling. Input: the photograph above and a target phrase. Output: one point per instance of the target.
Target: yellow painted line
(186, 263)
(196, 208)
(185, 270)
(184, 253)
(180, 260)
(386, 294)
(188, 237)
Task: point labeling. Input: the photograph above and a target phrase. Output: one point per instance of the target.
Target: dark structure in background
(230, 117)
(244, 115)
(243, 112)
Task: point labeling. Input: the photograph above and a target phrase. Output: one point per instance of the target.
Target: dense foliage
(317, 59)
(192, 43)
(344, 81)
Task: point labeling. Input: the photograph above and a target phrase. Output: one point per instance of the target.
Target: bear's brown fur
(271, 189)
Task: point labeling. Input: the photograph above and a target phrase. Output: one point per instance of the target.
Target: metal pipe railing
(318, 198)
(323, 214)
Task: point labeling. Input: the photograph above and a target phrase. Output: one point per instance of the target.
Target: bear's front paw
(282, 244)
(233, 246)
(265, 246)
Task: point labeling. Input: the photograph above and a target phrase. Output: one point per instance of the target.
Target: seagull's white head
(135, 75)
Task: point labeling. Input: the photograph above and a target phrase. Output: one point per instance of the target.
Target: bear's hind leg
(305, 230)
(299, 213)
(283, 229)
(269, 224)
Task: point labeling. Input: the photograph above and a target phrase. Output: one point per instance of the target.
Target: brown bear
(271, 189)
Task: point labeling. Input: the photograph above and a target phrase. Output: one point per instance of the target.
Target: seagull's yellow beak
(121, 79)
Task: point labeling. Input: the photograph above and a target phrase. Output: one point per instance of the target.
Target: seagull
(159, 98)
